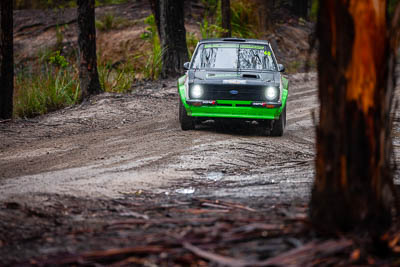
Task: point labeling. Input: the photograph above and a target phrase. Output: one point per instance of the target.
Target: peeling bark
(354, 182)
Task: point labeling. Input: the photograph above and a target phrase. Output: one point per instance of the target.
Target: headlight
(271, 93)
(197, 91)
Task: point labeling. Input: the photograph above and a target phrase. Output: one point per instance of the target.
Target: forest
(97, 167)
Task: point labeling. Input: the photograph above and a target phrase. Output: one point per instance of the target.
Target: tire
(279, 125)
(187, 122)
(266, 127)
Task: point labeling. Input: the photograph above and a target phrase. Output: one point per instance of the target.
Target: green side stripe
(259, 47)
(221, 45)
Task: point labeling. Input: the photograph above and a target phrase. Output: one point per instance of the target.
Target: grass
(152, 68)
(116, 78)
(111, 22)
(52, 83)
(42, 90)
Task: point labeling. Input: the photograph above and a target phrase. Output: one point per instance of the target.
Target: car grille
(233, 92)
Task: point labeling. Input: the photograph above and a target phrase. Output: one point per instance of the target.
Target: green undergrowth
(45, 87)
(191, 41)
(116, 77)
(52, 82)
(153, 58)
(109, 21)
(244, 20)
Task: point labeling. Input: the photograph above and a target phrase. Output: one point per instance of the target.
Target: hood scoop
(250, 76)
(222, 76)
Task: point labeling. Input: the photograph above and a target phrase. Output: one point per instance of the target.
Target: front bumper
(233, 109)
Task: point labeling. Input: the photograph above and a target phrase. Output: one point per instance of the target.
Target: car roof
(234, 40)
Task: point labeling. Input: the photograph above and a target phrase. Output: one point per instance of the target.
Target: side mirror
(186, 65)
(281, 68)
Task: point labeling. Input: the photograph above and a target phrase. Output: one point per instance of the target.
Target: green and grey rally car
(233, 78)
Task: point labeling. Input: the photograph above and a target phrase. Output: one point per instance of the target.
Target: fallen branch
(24, 27)
(228, 204)
(221, 260)
(201, 211)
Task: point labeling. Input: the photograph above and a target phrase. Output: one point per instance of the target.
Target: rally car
(237, 79)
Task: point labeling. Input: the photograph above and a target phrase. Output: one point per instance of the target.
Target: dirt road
(116, 177)
(119, 145)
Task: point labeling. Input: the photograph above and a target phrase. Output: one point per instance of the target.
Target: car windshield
(234, 56)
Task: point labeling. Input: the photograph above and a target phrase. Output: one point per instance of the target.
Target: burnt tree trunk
(88, 75)
(173, 37)
(6, 59)
(226, 17)
(300, 8)
(353, 188)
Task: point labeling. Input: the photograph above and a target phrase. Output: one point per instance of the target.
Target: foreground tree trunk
(6, 59)
(354, 184)
(173, 37)
(226, 17)
(88, 75)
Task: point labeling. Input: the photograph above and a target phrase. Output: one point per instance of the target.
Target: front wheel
(279, 125)
(187, 122)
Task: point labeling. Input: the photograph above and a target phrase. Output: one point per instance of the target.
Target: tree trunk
(6, 59)
(300, 8)
(226, 17)
(88, 75)
(354, 184)
(264, 11)
(173, 37)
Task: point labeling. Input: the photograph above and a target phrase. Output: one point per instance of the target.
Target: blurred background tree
(6, 59)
